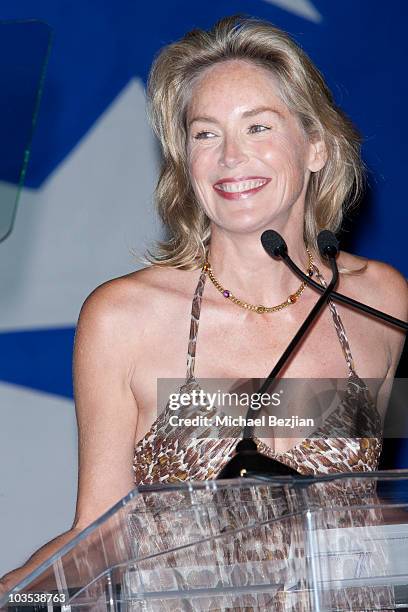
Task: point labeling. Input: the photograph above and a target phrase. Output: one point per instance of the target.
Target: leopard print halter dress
(168, 456)
(164, 455)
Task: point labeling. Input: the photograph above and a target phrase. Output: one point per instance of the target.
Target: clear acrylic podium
(336, 542)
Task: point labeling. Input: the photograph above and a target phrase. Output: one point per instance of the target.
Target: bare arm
(106, 415)
(9, 580)
(394, 301)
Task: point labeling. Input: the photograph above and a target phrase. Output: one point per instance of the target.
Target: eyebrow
(249, 113)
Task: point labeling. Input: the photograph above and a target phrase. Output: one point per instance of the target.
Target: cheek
(198, 175)
(200, 164)
(285, 155)
(193, 165)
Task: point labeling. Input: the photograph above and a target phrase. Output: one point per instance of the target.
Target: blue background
(359, 45)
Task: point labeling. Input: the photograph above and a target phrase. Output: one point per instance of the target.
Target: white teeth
(237, 187)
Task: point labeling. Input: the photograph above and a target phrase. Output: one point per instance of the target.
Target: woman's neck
(240, 264)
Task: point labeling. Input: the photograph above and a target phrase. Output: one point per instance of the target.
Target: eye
(203, 135)
(257, 128)
(253, 129)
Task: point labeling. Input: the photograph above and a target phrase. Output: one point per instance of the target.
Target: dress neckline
(195, 320)
(353, 382)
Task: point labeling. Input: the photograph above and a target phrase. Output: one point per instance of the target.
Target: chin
(246, 224)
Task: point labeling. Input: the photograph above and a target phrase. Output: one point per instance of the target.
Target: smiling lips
(241, 187)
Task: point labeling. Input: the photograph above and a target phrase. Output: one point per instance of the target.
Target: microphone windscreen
(273, 243)
(327, 243)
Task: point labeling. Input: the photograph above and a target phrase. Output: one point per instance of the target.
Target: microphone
(248, 460)
(275, 246)
(328, 244)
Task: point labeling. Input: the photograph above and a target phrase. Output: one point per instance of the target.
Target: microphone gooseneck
(270, 238)
(247, 459)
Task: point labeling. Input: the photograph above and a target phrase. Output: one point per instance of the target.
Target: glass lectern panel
(327, 543)
(24, 50)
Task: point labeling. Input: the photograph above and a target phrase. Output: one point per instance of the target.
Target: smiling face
(249, 158)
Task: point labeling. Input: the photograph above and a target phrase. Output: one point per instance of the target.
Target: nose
(232, 153)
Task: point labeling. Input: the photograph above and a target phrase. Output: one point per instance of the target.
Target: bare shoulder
(380, 286)
(375, 283)
(137, 297)
(118, 293)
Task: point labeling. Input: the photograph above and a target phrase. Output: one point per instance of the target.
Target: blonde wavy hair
(331, 191)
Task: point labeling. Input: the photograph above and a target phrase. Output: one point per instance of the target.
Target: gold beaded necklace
(259, 309)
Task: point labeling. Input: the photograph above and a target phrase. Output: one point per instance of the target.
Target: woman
(251, 140)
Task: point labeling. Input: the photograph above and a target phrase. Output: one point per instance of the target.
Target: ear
(317, 155)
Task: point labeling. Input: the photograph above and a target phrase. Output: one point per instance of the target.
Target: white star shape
(301, 8)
